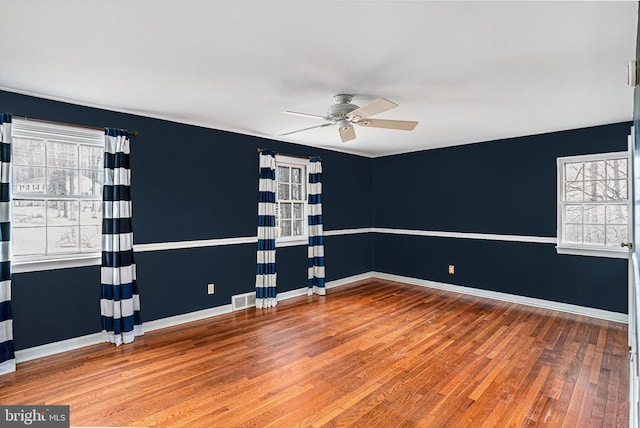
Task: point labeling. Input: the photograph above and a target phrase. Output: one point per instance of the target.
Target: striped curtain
(120, 302)
(315, 271)
(7, 357)
(266, 295)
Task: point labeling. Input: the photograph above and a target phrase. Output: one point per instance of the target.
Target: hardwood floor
(370, 354)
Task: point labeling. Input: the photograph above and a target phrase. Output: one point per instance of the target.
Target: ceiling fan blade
(378, 106)
(347, 134)
(403, 125)
(315, 116)
(306, 129)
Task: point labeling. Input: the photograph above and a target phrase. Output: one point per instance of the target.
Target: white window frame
(290, 161)
(585, 249)
(37, 130)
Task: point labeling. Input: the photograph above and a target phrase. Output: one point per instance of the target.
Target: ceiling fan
(344, 114)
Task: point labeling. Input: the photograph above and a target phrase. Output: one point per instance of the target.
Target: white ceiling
(467, 71)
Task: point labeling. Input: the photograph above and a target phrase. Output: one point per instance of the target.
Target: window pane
(573, 233)
(62, 213)
(28, 179)
(296, 192)
(28, 241)
(594, 234)
(616, 235)
(573, 213)
(285, 211)
(594, 214)
(573, 191)
(90, 212)
(594, 170)
(617, 190)
(283, 174)
(28, 213)
(617, 214)
(62, 239)
(283, 192)
(91, 157)
(594, 190)
(573, 171)
(298, 210)
(617, 169)
(297, 228)
(90, 183)
(296, 175)
(63, 155)
(91, 238)
(27, 152)
(285, 227)
(62, 181)
(278, 232)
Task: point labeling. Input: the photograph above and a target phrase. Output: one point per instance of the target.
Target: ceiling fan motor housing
(339, 111)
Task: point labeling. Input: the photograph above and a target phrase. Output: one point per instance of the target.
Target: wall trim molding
(21, 267)
(97, 338)
(217, 242)
(468, 235)
(341, 232)
(179, 245)
(506, 297)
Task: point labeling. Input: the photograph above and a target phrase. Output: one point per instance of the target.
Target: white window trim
(586, 250)
(291, 241)
(35, 129)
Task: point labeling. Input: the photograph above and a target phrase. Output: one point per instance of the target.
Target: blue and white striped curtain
(120, 301)
(266, 295)
(316, 239)
(7, 356)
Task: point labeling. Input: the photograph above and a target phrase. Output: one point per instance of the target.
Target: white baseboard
(58, 347)
(93, 339)
(330, 284)
(185, 318)
(512, 298)
(349, 280)
(293, 293)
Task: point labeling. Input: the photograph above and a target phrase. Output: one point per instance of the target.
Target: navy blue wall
(193, 183)
(188, 183)
(499, 187)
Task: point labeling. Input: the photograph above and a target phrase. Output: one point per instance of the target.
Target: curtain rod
(53, 122)
(285, 154)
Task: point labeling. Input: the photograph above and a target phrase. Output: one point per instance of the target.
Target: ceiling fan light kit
(344, 114)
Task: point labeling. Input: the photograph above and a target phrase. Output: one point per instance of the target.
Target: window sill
(594, 252)
(35, 265)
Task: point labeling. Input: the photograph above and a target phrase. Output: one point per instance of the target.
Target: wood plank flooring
(370, 354)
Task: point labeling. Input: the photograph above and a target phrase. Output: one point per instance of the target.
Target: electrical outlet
(211, 288)
(452, 269)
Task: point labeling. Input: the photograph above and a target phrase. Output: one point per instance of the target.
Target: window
(291, 200)
(593, 205)
(56, 192)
